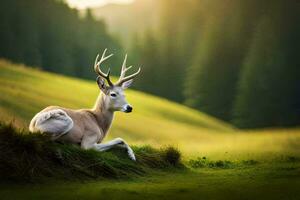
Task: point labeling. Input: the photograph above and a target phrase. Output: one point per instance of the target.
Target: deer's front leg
(115, 142)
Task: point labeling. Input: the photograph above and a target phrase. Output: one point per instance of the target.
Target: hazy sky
(80, 4)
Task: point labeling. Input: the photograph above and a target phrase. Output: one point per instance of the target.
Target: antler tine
(124, 79)
(97, 67)
(103, 57)
(124, 68)
(124, 63)
(128, 68)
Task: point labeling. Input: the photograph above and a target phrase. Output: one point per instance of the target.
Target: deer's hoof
(131, 155)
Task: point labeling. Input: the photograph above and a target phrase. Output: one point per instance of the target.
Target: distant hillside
(127, 20)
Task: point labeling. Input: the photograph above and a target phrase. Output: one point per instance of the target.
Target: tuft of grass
(250, 162)
(223, 164)
(172, 155)
(292, 159)
(31, 157)
(204, 162)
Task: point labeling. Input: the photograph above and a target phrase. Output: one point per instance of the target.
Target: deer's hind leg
(54, 122)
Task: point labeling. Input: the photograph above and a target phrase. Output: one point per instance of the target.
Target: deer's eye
(113, 95)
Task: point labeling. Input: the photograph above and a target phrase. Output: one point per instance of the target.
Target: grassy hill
(227, 163)
(155, 121)
(25, 91)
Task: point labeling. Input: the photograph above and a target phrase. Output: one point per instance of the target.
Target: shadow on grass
(31, 157)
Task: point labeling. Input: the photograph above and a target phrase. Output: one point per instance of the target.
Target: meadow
(222, 162)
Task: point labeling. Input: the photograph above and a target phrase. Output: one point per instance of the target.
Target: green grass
(33, 167)
(278, 181)
(33, 157)
(222, 162)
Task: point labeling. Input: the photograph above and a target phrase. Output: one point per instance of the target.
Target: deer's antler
(124, 69)
(97, 67)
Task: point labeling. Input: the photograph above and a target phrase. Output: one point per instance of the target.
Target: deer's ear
(127, 84)
(101, 84)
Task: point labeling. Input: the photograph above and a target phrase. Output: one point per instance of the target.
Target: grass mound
(28, 157)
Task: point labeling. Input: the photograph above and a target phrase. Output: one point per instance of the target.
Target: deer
(88, 127)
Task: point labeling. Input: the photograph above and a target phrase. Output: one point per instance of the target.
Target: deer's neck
(103, 115)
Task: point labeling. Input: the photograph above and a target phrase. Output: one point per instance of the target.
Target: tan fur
(90, 125)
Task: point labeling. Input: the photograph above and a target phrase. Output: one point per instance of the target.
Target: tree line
(237, 60)
(50, 35)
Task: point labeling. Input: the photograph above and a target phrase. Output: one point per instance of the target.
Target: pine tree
(211, 81)
(269, 91)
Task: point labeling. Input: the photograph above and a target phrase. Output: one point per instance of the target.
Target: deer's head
(114, 92)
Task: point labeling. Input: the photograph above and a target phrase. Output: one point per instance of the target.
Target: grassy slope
(26, 91)
(155, 121)
(27, 157)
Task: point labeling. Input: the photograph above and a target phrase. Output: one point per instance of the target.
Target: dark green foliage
(236, 60)
(212, 79)
(269, 87)
(28, 157)
(166, 53)
(50, 35)
(147, 53)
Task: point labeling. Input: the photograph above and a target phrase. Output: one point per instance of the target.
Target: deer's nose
(128, 108)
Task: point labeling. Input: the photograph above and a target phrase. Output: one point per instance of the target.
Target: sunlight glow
(82, 4)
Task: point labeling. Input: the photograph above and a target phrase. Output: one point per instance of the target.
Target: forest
(51, 36)
(235, 60)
